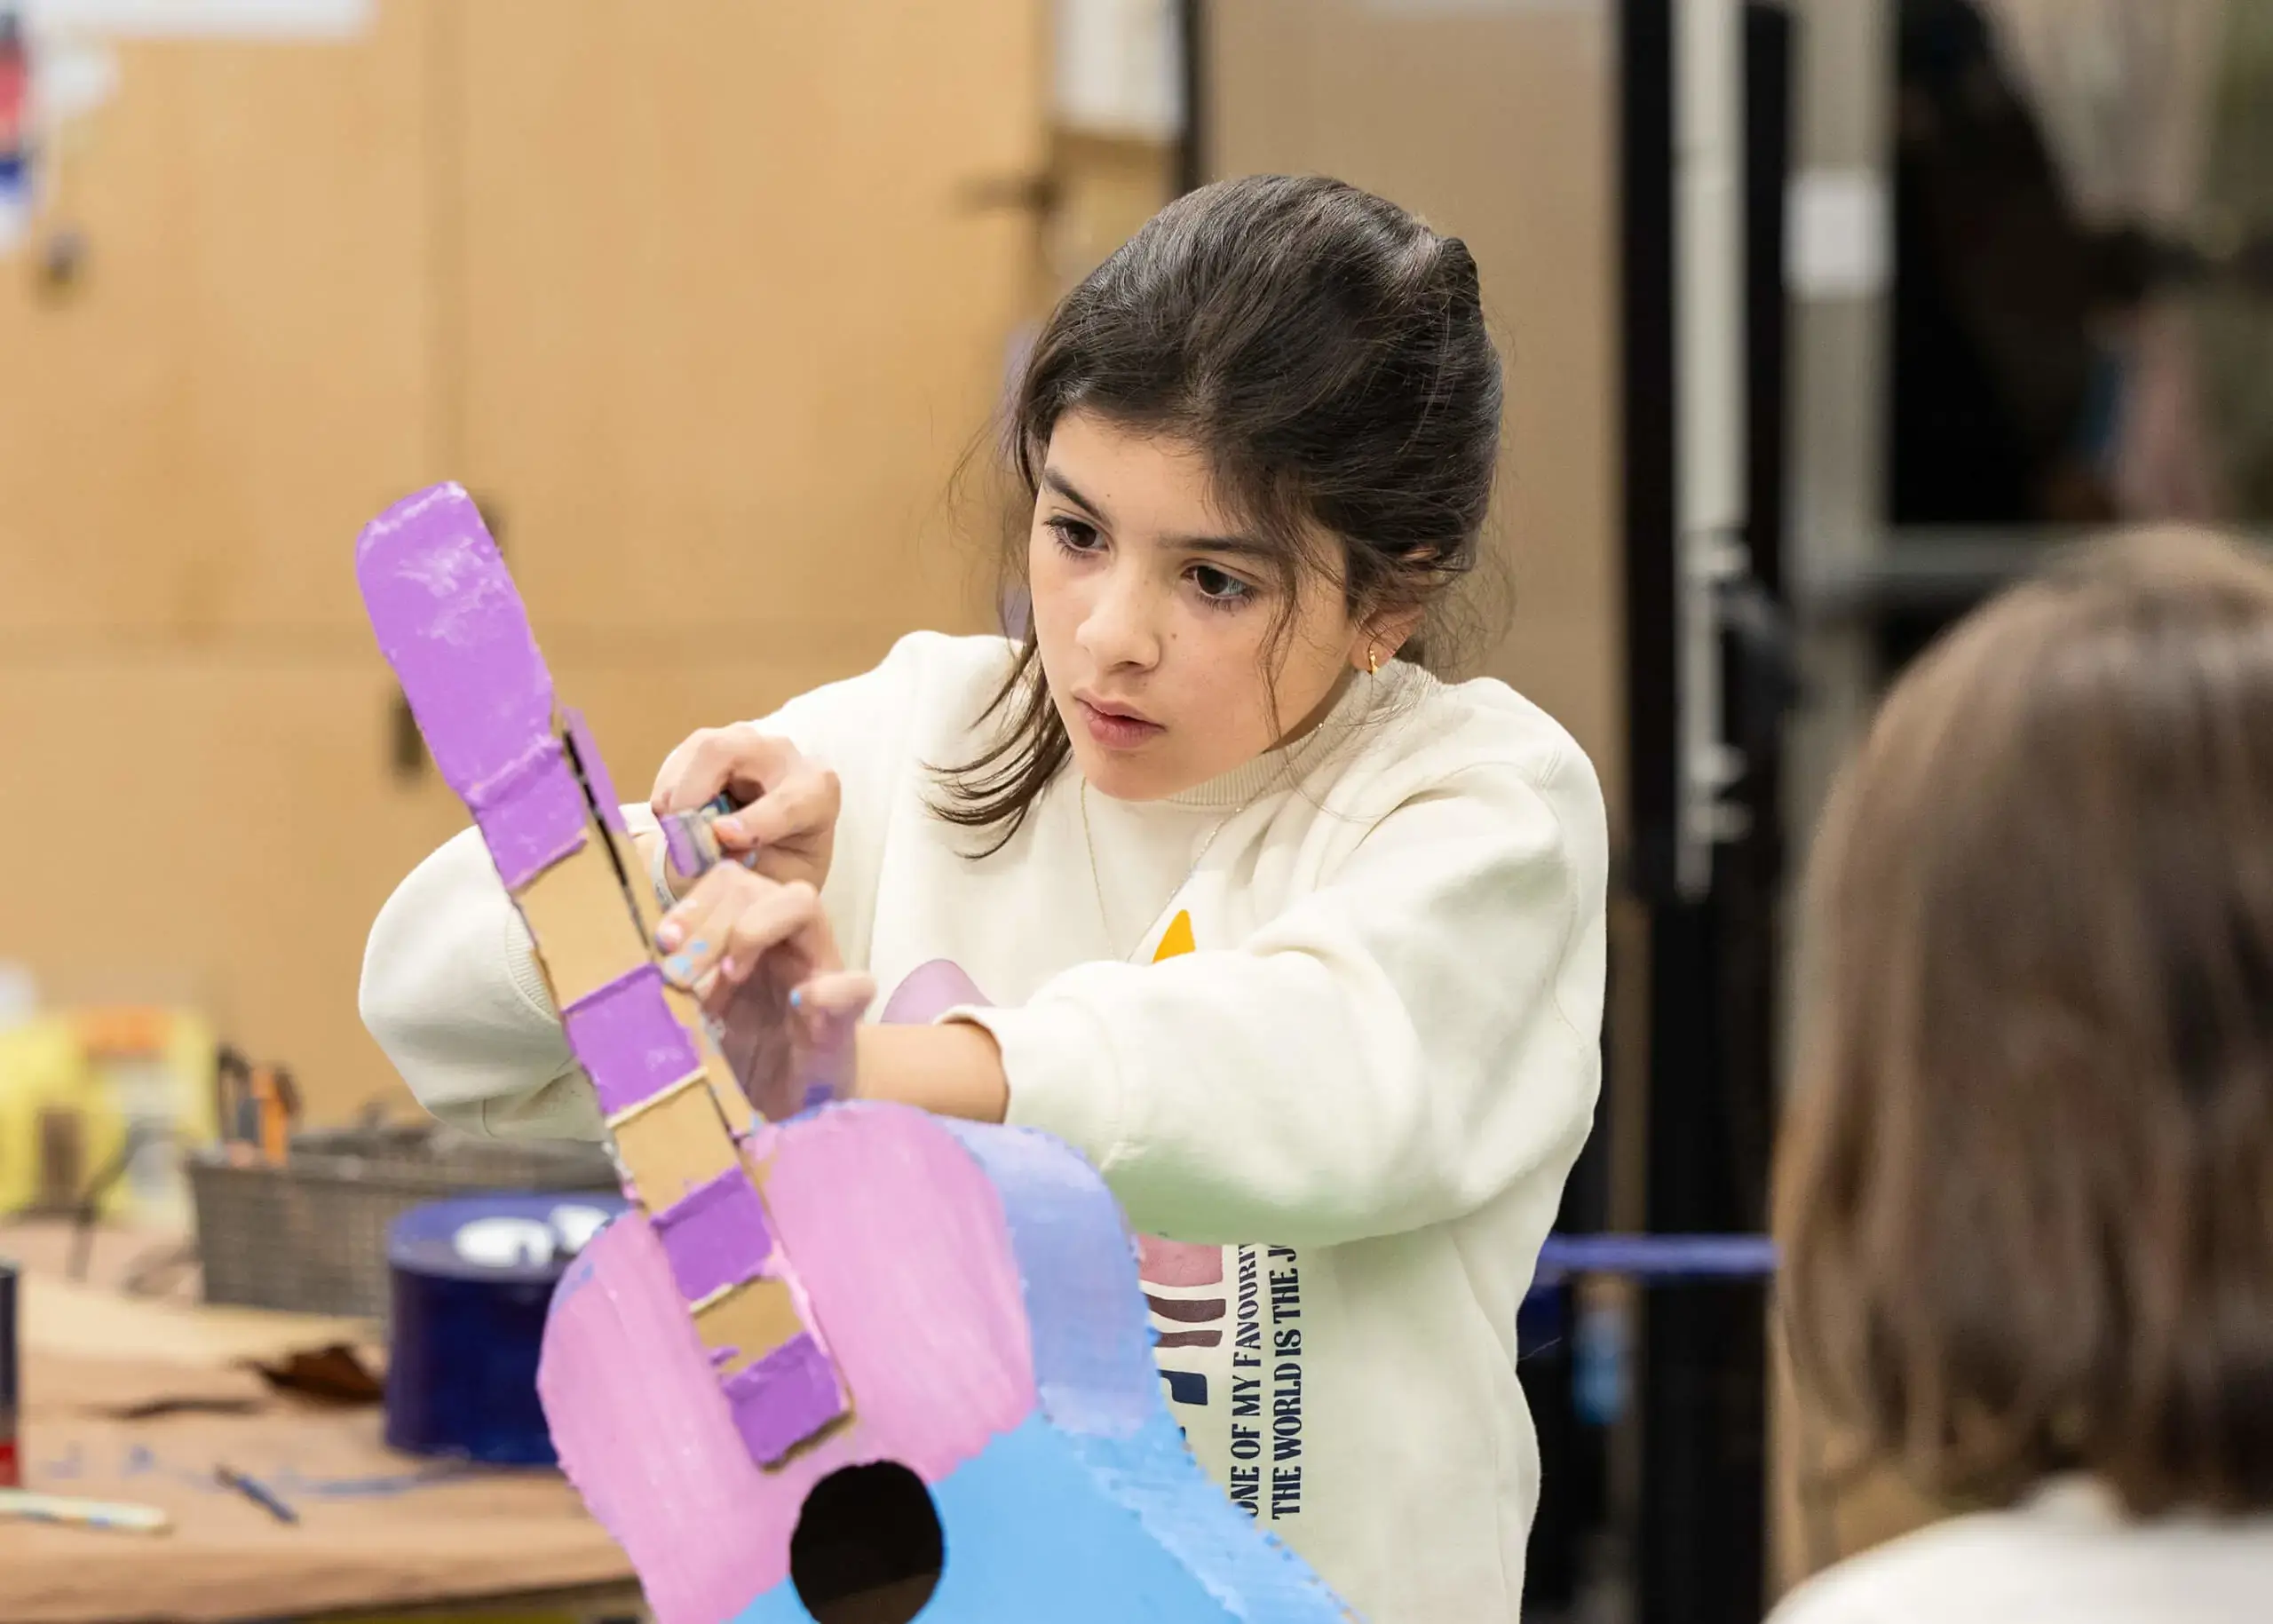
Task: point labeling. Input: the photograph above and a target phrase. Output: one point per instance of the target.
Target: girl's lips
(1116, 732)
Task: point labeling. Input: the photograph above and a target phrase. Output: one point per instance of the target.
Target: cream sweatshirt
(1341, 1123)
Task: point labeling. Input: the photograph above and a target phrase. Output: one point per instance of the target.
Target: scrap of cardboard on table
(794, 1304)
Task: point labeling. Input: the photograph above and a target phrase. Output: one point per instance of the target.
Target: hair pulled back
(1327, 355)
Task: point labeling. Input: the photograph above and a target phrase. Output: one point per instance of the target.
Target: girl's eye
(1220, 587)
(1072, 534)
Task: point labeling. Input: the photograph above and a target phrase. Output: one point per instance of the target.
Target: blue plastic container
(471, 1281)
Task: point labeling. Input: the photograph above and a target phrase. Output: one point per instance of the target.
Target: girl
(1301, 948)
(2026, 1194)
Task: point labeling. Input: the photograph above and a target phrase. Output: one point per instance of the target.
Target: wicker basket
(311, 1235)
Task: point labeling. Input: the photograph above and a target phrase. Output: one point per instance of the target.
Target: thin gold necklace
(1089, 840)
(1097, 885)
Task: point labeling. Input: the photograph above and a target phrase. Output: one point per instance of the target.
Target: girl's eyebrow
(1063, 486)
(1226, 546)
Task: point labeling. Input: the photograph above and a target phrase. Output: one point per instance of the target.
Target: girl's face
(1152, 611)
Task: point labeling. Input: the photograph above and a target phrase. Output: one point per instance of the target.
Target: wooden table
(127, 1399)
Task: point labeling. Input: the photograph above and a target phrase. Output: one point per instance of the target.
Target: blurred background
(1823, 319)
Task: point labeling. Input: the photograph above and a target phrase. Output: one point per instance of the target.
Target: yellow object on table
(74, 1083)
(58, 1123)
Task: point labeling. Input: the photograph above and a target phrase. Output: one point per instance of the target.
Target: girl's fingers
(774, 915)
(805, 799)
(696, 772)
(837, 994)
(828, 1008)
(692, 936)
(739, 758)
(678, 781)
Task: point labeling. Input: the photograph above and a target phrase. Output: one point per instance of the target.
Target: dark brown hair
(2026, 1192)
(1327, 355)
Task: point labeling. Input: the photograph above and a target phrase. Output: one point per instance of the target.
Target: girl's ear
(1380, 637)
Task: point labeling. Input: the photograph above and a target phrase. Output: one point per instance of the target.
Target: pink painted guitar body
(968, 1357)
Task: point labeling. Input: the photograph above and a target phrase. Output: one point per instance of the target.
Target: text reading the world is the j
(1266, 1415)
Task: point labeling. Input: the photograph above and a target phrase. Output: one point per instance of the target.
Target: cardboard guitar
(830, 1365)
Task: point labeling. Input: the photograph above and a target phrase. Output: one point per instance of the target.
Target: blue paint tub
(471, 1282)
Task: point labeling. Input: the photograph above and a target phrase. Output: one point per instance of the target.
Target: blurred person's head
(1259, 442)
(2025, 1193)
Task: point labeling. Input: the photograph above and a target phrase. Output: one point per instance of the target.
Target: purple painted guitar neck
(453, 627)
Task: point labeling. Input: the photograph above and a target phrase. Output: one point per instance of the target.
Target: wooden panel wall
(736, 306)
(1494, 123)
(704, 300)
(216, 826)
(241, 375)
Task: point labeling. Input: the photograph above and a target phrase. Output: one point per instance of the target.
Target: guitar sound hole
(868, 1548)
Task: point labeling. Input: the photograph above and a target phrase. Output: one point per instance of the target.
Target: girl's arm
(954, 1068)
(1396, 1049)
(452, 992)
(451, 989)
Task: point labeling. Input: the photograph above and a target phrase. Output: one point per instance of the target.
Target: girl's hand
(760, 956)
(786, 826)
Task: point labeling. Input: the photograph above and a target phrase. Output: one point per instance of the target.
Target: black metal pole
(1700, 1544)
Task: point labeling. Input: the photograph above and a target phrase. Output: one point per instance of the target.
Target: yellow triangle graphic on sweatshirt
(1177, 939)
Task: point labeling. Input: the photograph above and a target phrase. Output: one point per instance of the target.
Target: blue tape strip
(1658, 1257)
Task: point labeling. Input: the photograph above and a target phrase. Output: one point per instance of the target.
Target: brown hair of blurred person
(2025, 1190)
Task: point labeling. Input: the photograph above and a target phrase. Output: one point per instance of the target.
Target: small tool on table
(21, 1505)
(257, 1491)
(258, 1106)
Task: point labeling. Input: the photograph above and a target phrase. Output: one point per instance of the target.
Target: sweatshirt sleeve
(451, 988)
(1394, 1051)
(453, 994)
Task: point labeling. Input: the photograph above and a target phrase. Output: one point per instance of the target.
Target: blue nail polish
(796, 997)
(678, 964)
(695, 947)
